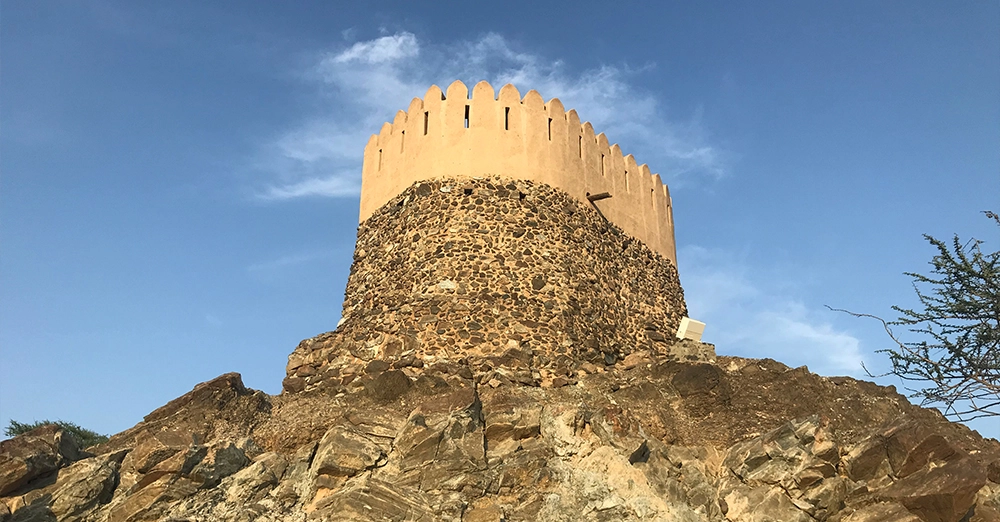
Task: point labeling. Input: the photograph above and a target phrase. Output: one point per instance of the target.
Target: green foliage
(958, 356)
(84, 437)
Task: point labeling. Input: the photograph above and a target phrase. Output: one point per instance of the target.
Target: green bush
(84, 437)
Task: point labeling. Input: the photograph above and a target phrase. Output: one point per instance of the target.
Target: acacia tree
(84, 437)
(958, 356)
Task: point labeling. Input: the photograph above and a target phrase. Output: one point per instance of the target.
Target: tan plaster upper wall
(517, 138)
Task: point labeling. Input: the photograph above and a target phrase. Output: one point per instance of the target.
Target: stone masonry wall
(493, 274)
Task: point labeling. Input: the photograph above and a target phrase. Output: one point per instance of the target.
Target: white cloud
(751, 317)
(799, 335)
(317, 141)
(288, 260)
(380, 50)
(365, 83)
(331, 186)
(713, 281)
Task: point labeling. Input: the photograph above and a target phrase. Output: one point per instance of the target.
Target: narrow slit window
(426, 121)
(380, 159)
(626, 181)
(550, 129)
(506, 118)
(652, 198)
(466, 116)
(581, 146)
(602, 164)
(402, 141)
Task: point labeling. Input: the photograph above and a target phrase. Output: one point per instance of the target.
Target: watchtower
(501, 234)
(459, 135)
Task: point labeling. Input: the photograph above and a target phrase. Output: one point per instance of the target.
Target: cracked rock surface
(747, 440)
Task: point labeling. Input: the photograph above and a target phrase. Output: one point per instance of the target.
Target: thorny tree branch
(960, 321)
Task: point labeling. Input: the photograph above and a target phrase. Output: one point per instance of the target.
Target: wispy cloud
(381, 50)
(342, 184)
(364, 83)
(288, 261)
(752, 317)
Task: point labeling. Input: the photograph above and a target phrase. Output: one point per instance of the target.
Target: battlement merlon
(454, 135)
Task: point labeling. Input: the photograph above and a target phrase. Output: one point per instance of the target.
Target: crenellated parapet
(458, 134)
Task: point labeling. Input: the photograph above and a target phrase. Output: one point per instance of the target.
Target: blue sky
(178, 181)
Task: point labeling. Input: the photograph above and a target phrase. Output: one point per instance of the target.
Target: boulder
(882, 512)
(343, 453)
(34, 454)
(76, 491)
(939, 494)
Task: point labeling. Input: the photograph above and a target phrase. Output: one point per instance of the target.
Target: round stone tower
(500, 236)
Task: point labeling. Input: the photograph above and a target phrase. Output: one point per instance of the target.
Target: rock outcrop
(655, 439)
(36, 454)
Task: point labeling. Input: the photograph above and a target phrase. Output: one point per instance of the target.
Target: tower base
(497, 275)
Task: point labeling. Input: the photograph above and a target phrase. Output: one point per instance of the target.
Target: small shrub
(84, 437)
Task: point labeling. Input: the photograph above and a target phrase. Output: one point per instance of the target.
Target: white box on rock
(690, 329)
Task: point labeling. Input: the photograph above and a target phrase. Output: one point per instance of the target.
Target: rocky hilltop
(507, 354)
(644, 439)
